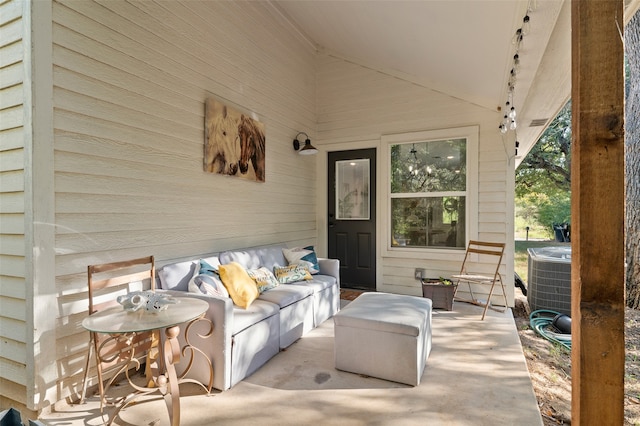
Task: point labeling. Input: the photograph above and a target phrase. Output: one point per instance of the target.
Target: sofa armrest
(330, 267)
(217, 347)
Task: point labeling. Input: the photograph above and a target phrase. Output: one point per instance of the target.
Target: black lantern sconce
(307, 149)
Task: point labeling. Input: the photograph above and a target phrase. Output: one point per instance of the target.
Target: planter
(441, 295)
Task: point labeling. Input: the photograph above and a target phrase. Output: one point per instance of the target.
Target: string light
(526, 25)
(509, 120)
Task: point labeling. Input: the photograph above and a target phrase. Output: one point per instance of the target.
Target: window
(430, 189)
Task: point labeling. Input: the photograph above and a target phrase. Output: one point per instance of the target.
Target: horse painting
(232, 140)
(221, 153)
(252, 146)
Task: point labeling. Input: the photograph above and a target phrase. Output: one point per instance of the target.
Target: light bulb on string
(513, 125)
(526, 25)
(512, 113)
(517, 38)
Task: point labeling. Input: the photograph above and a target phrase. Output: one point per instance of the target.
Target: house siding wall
(129, 84)
(357, 105)
(13, 294)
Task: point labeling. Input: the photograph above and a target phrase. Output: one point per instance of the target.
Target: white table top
(116, 320)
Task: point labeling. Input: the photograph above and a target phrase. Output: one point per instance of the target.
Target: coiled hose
(541, 321)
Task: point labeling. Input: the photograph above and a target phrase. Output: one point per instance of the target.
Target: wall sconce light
(307, 149)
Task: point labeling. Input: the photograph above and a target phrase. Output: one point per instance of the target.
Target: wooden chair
(490, 256)
(112, 354)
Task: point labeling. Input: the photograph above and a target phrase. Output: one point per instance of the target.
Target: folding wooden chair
(112, 353)
(489, 256)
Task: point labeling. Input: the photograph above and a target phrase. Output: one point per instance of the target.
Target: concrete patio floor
(476, 375)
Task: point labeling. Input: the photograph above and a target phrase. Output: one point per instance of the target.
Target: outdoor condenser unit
(549, 279)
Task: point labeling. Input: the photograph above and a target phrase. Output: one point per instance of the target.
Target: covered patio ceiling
(463, 48)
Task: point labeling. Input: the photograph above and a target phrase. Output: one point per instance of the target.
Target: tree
(543, 179)
(547, 167)
(632, 162)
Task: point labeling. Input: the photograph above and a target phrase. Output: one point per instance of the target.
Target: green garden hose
(541, 320)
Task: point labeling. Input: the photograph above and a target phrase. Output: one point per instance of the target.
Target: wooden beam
(597, 208)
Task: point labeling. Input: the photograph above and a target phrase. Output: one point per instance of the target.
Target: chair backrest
(106, 282)
(482, 248)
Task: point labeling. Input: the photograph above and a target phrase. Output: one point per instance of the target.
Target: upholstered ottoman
(384, 335)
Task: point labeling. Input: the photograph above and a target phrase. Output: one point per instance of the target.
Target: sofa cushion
(263, 278)
(258, 311)
(240, 286)
(302, 256)
(248, 259)
(291, 274)
(176, 276)
(319, 282)
(271, 256)
(253, 258)
(286, 295)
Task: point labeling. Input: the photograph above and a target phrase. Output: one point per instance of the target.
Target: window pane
(352, 189)
(434, 166)
(428, 222)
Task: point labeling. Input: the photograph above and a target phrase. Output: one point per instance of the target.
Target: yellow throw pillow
(241, 287)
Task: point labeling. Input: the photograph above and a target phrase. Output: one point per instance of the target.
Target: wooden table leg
(171, 357)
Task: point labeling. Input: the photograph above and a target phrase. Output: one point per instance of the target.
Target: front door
(352, 216)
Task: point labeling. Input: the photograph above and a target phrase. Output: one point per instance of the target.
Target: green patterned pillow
(292, 273)
(264, 278)
(302, 256)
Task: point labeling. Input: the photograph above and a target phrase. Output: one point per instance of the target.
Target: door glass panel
(352, 189)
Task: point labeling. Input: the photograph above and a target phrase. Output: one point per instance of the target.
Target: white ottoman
(384, 335)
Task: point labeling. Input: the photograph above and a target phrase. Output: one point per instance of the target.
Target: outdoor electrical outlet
(419, 273)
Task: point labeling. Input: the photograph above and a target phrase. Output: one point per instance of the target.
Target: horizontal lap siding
(13, 353)
(130, 84)
(356, 104)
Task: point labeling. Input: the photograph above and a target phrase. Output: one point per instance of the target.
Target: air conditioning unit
(549, 279)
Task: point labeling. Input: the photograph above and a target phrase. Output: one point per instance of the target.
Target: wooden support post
(597, 209)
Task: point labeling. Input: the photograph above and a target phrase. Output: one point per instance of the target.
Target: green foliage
(547, 167)
(556, 210)
(543, 179)
(542, 211)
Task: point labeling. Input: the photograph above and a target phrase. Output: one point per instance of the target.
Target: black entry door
(352, 216)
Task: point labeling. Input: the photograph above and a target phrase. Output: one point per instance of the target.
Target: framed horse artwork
(234, 142)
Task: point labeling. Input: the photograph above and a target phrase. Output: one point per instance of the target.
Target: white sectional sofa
(245, 339)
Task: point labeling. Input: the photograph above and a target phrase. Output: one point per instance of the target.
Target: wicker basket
(440, 294)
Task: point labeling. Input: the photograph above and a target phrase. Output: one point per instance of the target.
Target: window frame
(471, 135)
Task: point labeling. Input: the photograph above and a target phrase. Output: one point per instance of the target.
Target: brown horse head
(251, 147)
